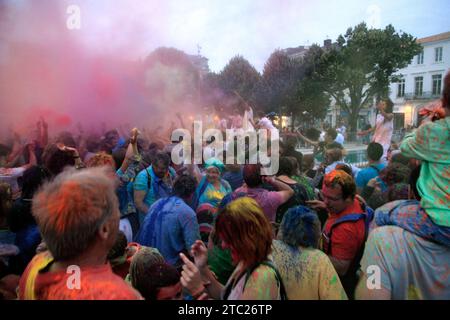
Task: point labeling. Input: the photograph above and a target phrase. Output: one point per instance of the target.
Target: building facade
(422, 80)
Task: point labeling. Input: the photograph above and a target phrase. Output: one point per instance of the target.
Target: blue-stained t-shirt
(170, 226)
(164, 186)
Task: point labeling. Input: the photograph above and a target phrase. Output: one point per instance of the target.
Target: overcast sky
(252, 28)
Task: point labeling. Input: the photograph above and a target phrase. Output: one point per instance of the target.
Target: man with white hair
(78, 217)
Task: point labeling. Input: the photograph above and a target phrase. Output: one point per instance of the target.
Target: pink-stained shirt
(268, 200)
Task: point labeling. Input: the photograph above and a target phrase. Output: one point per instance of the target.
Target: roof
(292, 51)
(437, 37)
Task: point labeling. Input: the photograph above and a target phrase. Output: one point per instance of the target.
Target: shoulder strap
(202, 187)
(149, 180)
(375, 168)
(269, 264)
(353, 217)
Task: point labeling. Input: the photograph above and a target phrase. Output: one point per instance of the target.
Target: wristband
(199, 293)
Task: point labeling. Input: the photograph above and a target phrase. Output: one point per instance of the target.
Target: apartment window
(401, 88)
(437, 84)
(418, 86)
(438, 54)
(420, 58)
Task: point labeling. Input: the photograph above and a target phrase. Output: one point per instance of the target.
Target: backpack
(350, 279)
(249, 272)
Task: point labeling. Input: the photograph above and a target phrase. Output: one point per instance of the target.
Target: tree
(361, 65)
(276, 91)
(239, 76)
(170, 77)
(311, 101)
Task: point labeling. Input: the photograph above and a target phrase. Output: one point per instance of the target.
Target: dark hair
(307, 161)
(400, 158)
(4, 150)
(374, 151)
(344, 167)
(67, 139)
(156, 276)
(389, 105)
(398, 191)
(413, 177)
(286, 167)
(55, 160)
(162, 158)
(32, 179)
(395, 173)
(92, 144)
(446, 91)
(184, 186)
(313, 134)
(119, 246)
(119, 157)
(332, 133)
(252, 175)
(334, 145)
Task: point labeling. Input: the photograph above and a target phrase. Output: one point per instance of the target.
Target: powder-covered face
(332, 197)
(212, 174)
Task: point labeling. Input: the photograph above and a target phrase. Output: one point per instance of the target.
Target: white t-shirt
(383, 133)
(339, 139)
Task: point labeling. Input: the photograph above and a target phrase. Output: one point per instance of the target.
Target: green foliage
(362, 64)
(239, 76)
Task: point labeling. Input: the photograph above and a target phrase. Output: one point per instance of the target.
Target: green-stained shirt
(430, 143)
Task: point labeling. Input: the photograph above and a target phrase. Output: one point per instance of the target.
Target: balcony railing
(424, 96)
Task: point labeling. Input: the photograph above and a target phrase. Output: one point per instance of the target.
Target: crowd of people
(132, 224)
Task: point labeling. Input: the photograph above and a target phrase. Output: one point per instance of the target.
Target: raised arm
(301, 136)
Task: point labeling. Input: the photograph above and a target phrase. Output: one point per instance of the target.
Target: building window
(401, 88)
(438, 54)
(437, 84)
(420, 58)
(419, 86)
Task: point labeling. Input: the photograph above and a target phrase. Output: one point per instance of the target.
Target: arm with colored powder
(283, 189)
(417, 144)
(132, 159)
(197, 277)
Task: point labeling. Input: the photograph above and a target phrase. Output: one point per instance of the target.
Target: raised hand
(191, 278)
(200, 254)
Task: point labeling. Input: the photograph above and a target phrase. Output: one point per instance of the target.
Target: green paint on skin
(333, 280)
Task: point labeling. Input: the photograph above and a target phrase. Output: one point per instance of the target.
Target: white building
(422, 79)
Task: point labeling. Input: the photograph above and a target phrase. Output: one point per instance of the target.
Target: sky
(73, 60)
(225, 28)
